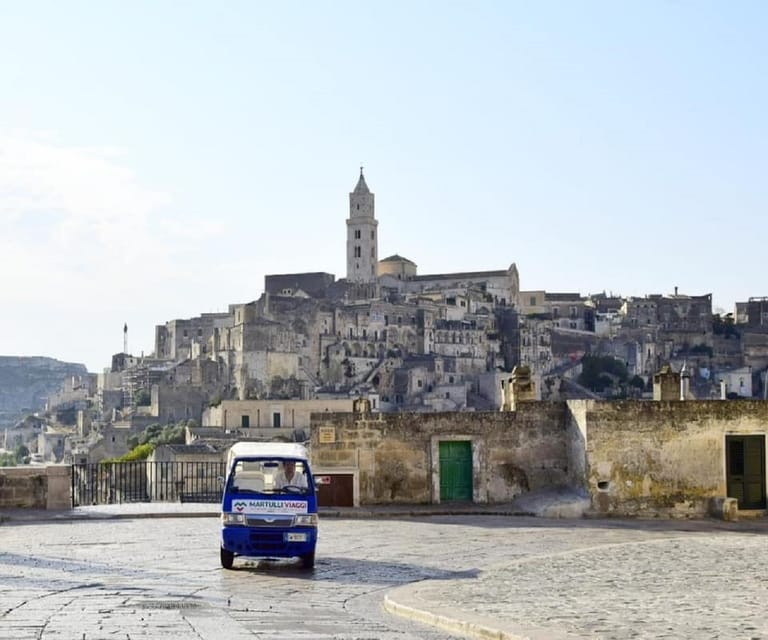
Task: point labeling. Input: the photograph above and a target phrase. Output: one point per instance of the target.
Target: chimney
(722, 389)
(685, 382)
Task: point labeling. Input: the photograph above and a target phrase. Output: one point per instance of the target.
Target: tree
(7, 459)
(22, 454)
(724, 326)
(599, 373)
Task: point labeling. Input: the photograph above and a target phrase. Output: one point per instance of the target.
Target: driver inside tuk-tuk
(288, 476)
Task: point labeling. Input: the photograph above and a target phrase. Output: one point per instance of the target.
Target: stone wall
(38, 487)
(661, 458)
(294, 414)
(396, 455)
(172, 404)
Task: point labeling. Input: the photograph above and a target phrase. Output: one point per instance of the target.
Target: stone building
(397, 267)
(362, 243)
(315, 285)
(499, 288)
(183, 339)
(569, 311)
(267, 418)
(756, 313)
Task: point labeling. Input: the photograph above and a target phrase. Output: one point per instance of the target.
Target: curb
(446, 623)
(456, 622)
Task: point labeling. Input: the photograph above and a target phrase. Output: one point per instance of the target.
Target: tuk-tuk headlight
(232, 518)
(306, 520)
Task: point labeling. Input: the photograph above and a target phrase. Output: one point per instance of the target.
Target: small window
(357, 234)
(245, 422)
(276, 420)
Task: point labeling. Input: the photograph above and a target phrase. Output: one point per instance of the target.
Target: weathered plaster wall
(662, 458)
(576, 442)
(396, 455)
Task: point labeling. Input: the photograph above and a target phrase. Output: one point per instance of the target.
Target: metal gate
(142, 481)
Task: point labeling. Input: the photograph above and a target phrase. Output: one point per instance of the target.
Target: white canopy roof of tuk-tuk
(267, 450)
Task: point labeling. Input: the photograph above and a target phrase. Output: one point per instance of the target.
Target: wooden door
(745, 465)
(335, 490)
(455, 470)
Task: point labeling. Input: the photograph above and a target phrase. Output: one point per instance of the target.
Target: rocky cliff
(26, 383)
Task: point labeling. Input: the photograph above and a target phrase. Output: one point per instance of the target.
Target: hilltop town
(402, 341)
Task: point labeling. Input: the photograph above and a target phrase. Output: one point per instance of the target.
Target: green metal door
(455, 470)
(745, 462)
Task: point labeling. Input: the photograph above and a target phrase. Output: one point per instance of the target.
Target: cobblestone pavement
(505, 577)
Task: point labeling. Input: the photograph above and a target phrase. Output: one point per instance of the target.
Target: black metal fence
(120, 482)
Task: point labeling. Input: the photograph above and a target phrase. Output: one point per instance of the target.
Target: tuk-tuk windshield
(269, 476)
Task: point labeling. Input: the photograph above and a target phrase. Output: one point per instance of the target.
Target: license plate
(297, 537)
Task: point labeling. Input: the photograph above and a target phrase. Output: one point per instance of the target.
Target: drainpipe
(722, 389)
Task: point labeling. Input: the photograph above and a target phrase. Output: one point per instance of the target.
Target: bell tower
(362, 236)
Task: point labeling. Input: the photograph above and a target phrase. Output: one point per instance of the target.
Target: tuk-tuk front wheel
(308, 560)
(227, 558)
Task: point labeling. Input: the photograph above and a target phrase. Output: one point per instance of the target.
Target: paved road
(520, 577)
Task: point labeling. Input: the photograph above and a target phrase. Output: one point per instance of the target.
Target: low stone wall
(663, 459)
(35, 487)
(396, 456)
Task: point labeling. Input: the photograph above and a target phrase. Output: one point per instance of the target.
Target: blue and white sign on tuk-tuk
(269, 504)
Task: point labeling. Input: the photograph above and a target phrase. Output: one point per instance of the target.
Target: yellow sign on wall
(327, 435)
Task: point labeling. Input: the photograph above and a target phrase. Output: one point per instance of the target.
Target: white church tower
(362, 236)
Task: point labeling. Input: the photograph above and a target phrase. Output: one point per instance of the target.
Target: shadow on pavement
(348, 571)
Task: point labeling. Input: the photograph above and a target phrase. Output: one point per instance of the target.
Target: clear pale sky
(158, 158)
